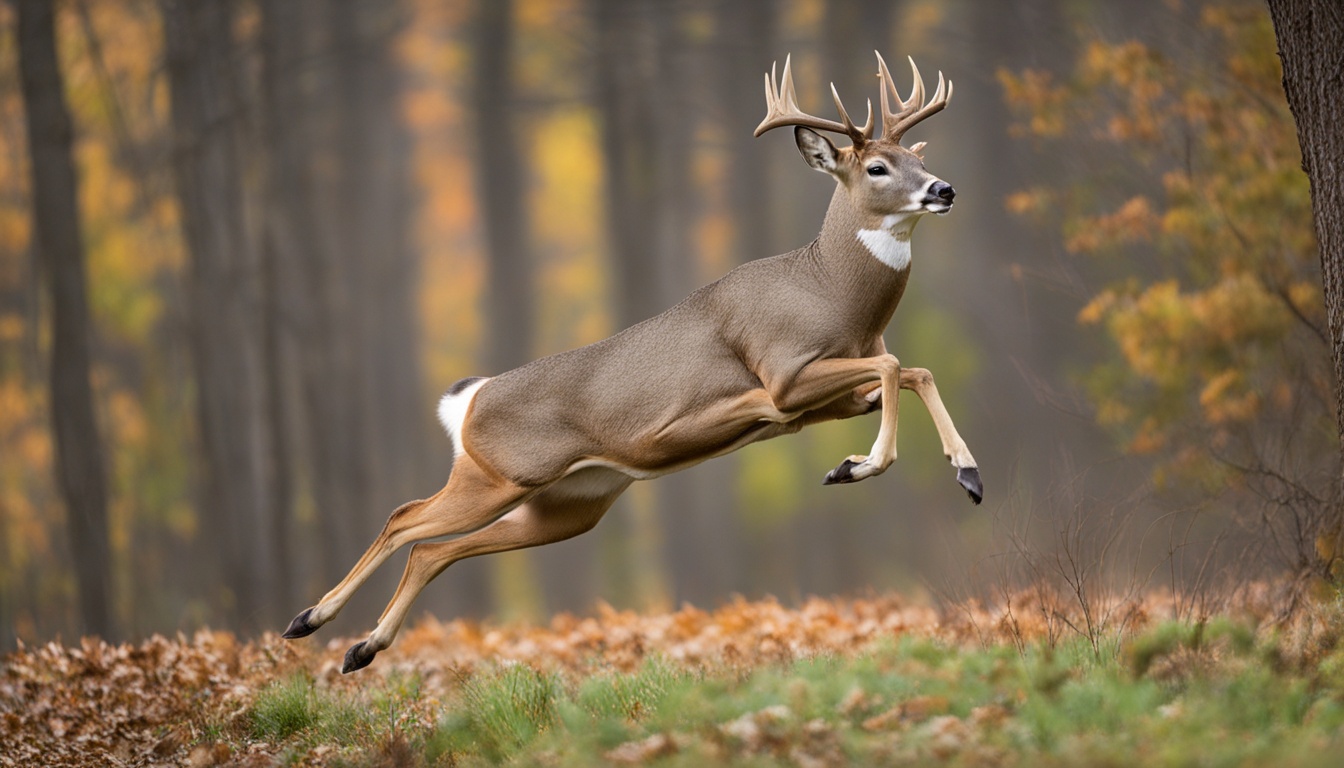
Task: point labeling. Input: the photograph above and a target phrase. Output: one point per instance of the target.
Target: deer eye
(877, 170)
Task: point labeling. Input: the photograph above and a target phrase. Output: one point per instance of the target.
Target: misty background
(304, 219)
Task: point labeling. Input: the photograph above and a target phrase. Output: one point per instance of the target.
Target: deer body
(543, 451)
(644, 392)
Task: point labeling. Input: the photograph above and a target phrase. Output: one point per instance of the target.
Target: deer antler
(781, 106)
(913, 109)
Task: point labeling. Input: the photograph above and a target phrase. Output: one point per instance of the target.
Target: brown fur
(652, 396)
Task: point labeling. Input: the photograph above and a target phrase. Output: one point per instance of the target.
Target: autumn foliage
(1192, 213)
(827, 683)
(94, 701)
(1182, 207)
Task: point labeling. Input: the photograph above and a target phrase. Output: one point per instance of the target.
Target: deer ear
(817, 150)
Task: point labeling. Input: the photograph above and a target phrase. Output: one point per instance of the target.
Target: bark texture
(80, 471)
(1311, 47)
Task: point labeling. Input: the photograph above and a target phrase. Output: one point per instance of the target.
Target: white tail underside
(453, 411)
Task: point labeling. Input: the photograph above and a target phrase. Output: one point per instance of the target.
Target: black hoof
(300, 627)
(358, 657)
(841, 474)
(969, 477)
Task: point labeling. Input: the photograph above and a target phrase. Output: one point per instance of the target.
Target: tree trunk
(343, 473)
(510, 305)
(79, 460)
(385, 417)
(1311, 47)
(626, 95)
(298, 271)
(224, 278)
(401, 415)
(746, 47)
(280, 47)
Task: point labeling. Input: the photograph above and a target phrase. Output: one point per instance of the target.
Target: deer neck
(865, 258)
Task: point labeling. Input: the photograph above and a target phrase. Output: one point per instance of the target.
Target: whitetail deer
(542, 451)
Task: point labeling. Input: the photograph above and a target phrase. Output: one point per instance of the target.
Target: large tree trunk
(224, 278)
(79, 459)
(1311, 46)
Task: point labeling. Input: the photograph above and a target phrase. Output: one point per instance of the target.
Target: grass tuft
(502, 711)
(295, 707)
(1172, 639)
(630, 697)
(283, 709)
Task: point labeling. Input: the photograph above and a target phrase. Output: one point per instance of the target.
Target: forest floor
(873, 681)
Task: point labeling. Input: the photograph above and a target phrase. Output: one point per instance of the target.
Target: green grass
(298, 716)
(1217, 701)
(284, 709)
(1175, 695)
(501, 712)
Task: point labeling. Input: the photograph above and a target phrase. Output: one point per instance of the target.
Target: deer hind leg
(920, 381)
(472, 499)
(544, 519)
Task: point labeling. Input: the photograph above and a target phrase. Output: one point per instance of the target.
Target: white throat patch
(886, 246)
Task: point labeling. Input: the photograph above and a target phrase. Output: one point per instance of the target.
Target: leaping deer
(543, 451)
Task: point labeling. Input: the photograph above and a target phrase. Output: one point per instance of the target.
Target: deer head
(881, 176)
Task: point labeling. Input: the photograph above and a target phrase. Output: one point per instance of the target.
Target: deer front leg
(825, 380)
(920, 381)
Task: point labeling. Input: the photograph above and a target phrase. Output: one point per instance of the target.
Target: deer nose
(943, 191)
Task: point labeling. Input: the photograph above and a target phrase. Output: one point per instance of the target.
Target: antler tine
(781, 103)
(866, 132)
(770, 95)
(781, 106)
(786, 90)
(887, 89)
(940, 99)
(890, 117)
(917, 89)
(913, 110)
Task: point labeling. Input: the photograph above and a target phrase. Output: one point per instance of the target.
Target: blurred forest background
(301, 220)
